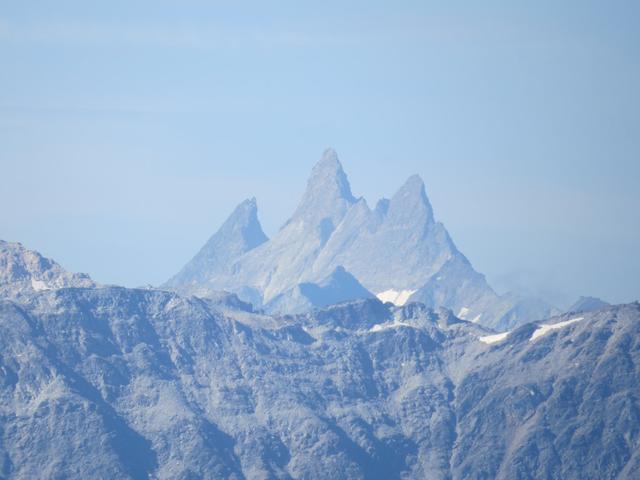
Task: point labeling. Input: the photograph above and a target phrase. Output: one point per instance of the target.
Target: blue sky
(130, 130)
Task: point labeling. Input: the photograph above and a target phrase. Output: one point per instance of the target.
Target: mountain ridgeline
(109, 382)
(396, 251)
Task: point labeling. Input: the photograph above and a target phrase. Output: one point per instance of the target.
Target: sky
(129, 130)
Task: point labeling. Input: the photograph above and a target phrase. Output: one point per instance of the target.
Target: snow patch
(498, 337)
(544, 329)
(39, 285)
(386, 326)
(539, 332)
(396, 297)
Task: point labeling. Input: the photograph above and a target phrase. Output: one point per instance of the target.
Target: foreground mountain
(111, 382)
(398, 251)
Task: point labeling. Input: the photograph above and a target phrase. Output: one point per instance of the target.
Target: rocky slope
(108, 382)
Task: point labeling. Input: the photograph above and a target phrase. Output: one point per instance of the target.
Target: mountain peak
(329, 155)
(327, 173)
(249, 203)
(414, 185)
(411, 200)
(587, 304)
(240, 233)
(328, 194)
(23, 270)
(244, 210)
(244, 220)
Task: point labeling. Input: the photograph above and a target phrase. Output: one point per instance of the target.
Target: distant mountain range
(108, 382)
(396, 251)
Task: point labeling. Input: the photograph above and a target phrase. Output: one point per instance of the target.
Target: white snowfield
(39, 285)
(396, 297)
(544, 329)
(498, 337)
(538, 332)
(463, 314)
(386, 326)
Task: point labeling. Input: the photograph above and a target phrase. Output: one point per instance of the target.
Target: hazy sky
(129, 131)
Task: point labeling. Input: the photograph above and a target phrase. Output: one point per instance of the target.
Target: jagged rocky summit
(109, 382)
(24, 271)
(396, 251)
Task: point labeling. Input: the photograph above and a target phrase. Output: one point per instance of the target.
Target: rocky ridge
(109, 382)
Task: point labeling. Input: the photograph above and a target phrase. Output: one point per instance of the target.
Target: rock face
(130, 383)
(396, 247)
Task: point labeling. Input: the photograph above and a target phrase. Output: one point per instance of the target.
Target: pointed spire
(328, 175)
(246, 209)
(410, 202)
(328, 194)
(413, 187)
(244, 221)
(240, 233)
